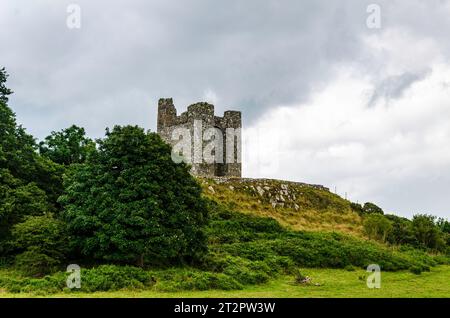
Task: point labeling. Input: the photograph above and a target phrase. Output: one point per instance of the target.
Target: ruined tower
(210, 144)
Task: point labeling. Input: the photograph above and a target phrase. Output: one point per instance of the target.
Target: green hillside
(297, 206)
(245, 250)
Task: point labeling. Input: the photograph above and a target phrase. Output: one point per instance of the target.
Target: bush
(350, 268)
(324, 250)
(48, 284)
(36, 264)
(377, 226)
(245, 271)
(41, 243)
(356, 207)
(228, 227)
(402, 231)
(416, 270)
(102, 278)
(190, 279)
(111, 277)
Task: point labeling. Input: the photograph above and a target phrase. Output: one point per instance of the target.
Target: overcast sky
(325, 98)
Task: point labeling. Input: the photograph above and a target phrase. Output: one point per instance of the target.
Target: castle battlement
(229, 143)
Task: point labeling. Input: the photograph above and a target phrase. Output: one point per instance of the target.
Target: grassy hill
(298, 206)
(262, 236)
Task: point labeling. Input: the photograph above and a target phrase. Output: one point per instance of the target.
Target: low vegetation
(244, 250)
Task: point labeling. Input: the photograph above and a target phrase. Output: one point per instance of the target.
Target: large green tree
(68, 146)
(131, 203)
(29, 184)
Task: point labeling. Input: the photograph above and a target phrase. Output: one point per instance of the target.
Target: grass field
(333, 283)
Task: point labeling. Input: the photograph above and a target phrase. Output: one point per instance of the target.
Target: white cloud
(400, 145)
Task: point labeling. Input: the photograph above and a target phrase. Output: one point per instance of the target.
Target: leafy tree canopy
(29, 184)
(427, 233)
(131, 203)
(4, 91)
(68, 146)
(371, 208)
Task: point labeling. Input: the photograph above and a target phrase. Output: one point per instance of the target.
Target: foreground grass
(333, 283)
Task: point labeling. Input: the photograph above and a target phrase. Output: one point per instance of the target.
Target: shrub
(190, 279)
(102, 278)
(350, 268)
(42, 244)
(356, 207)
(377, 226)
(416, 270)
(402, 231)
(324, 250)
(36, 264)
(111, 277)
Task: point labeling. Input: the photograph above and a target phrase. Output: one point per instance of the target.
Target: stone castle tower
(204, 130)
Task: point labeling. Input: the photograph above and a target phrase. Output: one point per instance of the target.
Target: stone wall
(168, 120)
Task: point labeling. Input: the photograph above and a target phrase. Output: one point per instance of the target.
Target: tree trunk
(141, 260)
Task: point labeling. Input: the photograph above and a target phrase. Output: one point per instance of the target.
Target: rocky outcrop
(277, 193)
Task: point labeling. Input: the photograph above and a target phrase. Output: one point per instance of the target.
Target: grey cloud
(252, 54)
(255, 55)
(393, 87)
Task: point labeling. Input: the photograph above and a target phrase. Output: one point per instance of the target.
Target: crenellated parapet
(207, 132)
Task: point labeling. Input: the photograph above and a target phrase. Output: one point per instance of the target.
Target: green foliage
(18, 200)
(131, 203)
(19, 157)
(101, 278)
(68, 146)
(48, 284)
(357, 208)
(110, 277)
(350, 268)
(427, 233)
(4, 91)
(370, 208)
(444, 225)
(179, 279)
(33, 263)
(402, 231)
(233, 263)
(415, 270)
(41, 242)
(307, 249)
(29, 184)
(377, 226)
(228, 227)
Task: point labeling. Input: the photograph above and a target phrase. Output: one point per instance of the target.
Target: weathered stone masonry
(168, 121)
